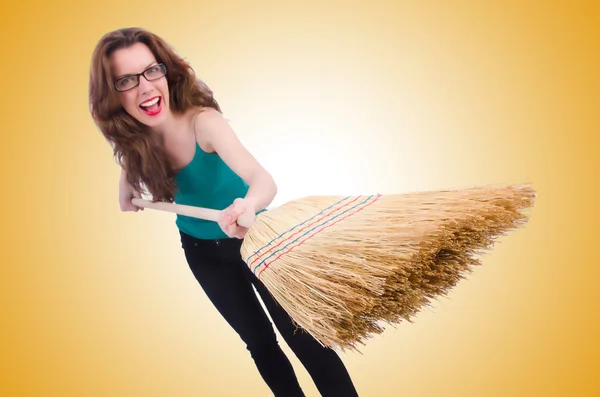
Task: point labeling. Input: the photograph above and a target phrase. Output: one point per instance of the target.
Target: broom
(343, 266)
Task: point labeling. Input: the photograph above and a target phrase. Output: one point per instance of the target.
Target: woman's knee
(263, 345)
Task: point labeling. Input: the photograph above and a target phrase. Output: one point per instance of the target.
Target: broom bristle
(340, 266)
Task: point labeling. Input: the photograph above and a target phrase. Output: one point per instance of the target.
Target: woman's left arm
(218, 134)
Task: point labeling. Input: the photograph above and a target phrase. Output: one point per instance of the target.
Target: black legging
(226, 280)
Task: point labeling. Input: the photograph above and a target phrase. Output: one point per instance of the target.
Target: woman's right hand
(126, 193)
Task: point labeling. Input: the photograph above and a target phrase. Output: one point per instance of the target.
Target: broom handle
(244, 220)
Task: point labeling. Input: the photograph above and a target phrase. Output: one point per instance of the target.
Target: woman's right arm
(126, 193)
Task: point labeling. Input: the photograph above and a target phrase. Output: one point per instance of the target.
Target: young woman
(169, 136)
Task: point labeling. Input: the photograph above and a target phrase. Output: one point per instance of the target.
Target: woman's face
(148, 102)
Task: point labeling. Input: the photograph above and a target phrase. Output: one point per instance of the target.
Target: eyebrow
(131, 74)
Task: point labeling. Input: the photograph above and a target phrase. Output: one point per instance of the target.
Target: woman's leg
(228, 288)
(323, 364)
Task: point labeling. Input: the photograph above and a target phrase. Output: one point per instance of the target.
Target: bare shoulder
(209, 124)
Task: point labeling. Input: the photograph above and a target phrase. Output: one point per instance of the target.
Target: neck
(170, 124)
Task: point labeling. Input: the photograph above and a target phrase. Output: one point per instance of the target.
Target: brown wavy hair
(147, 166)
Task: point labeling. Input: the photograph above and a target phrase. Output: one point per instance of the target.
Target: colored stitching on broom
(364, 205)
(325, 227)
(289, 237)
(309, 225)
(300, 224)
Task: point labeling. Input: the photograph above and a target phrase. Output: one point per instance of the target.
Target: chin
(152, 122)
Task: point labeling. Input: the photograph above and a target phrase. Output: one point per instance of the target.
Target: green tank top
(206, 182)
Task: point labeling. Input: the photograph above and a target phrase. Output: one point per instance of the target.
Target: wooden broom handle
(244, 220)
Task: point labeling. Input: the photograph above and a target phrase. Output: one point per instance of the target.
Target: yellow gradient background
(340, 97)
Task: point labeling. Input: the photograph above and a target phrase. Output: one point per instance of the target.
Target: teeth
(150, 103)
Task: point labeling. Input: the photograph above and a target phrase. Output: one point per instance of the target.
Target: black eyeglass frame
(162, 67)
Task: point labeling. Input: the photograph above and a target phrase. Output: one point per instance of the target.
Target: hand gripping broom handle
(244, 220)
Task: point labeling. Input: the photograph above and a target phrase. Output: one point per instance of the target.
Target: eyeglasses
(154, 72)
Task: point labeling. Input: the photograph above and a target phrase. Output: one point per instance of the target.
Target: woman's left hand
(229, 216)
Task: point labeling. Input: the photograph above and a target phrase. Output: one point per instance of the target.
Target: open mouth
(152, 107)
